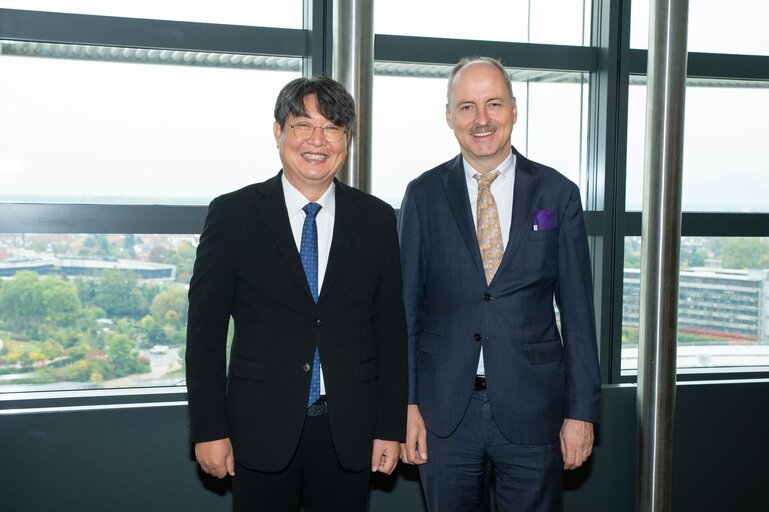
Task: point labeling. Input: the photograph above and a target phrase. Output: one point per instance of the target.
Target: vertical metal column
(661, 249)
(353, 66)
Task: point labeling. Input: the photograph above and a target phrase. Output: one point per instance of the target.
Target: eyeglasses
(304, 131)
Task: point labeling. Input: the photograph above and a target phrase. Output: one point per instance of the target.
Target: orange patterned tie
(489, 232)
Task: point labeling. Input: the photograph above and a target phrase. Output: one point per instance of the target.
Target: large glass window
(111, 125)
(726, 158)
(93, 310)
(723, 306)
(714, 27)
(95, 295)
(232, 12)
(413, 136)
(544, 21)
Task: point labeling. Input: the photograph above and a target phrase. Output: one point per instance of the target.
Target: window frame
(608, 61)
(106, 31)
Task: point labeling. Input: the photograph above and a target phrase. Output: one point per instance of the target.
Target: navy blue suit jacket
(536, 373)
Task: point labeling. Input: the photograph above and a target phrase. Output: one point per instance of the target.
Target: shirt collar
(505, 168)
(295, 200)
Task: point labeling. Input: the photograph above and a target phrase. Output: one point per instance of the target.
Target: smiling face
(482, 114)
(311, 164)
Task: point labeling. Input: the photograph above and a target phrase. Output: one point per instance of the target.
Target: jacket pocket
(430, 342)
(547, 234)
(368, 370)
(545, 352)
(251, 369)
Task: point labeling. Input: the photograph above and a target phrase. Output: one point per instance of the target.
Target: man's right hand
(414, 450)
(216, 457)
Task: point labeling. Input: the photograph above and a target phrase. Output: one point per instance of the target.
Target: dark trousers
(313, 475)
(455, 478)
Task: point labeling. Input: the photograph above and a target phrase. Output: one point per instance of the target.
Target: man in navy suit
(489, 240)
(308, 270)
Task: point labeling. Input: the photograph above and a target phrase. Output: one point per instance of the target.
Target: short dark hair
(333, 100)
(464, 61)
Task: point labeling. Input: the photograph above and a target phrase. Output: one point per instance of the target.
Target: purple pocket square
(543, 220)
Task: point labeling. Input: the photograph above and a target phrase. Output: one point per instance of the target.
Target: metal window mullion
(433, 50)
(101, 218)
(607, 135)
(713, 65)
(84, 29)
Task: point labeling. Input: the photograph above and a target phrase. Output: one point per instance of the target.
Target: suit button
(486, 297)
(477, 337)
(317, 322)
(306, 367)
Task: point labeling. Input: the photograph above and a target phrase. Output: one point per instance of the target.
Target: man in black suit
(489, 240)
(308, 269)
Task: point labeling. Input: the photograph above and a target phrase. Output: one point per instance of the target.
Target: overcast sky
(158, 133)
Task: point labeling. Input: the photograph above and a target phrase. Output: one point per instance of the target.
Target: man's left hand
(384, 457)
(576, 442)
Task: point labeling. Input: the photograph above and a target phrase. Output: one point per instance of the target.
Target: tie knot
(312, 209)
(485, 180)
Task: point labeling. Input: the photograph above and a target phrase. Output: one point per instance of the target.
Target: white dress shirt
(502, 190)
(295, 201)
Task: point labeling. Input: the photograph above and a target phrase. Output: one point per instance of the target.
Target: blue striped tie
(309, 254)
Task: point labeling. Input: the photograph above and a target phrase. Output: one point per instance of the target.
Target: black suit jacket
(248, 268)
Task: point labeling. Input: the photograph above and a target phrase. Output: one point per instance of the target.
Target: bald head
(467, 61)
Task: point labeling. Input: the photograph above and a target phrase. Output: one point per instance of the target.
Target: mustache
(482, 128)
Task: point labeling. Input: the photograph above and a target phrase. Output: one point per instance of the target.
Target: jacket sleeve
(390, 346)
(211, 296)
(574, 297)
(414, 268)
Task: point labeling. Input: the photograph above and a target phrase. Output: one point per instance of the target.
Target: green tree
(183, 358)
(102, 245)
(745, 253)
(79, 371)
(38, 245)
(119, 296)
(172, 300)
(86, 289)
(61, 304)
(632, 260)
(33, 307)
(21, 302)
(51, 349)
(123, 356)
(183, 258)
(632, 252)
(693, 257)
(128, 246)
(158, 254)
(78, 351)
(157, 335)
(60, 247)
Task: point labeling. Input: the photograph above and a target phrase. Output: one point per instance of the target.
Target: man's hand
(384, 456)
(414, 450)
(576, 442)
(216, 458)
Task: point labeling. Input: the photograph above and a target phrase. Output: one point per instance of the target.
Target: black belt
(319, 408)
(480, 383)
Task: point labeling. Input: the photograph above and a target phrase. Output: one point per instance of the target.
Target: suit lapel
(272, 209)
(520, 226)
(455, 186)
(346, 224)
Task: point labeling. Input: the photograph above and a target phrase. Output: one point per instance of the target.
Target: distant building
(74, 267)
(42, 267)
(727, 304)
